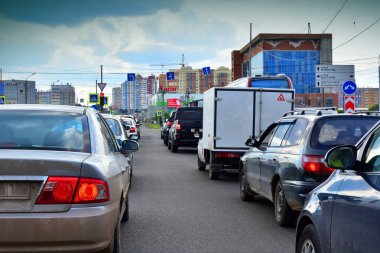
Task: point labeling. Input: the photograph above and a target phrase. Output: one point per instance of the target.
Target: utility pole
(250, 50)
(379, 81)
(26, 88)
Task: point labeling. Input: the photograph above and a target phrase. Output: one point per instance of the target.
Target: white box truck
(230, 116)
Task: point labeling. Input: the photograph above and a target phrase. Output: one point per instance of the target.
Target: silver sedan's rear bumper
(81, 229)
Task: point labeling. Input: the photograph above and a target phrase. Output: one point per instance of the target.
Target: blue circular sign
(349, 87)
(95, 107)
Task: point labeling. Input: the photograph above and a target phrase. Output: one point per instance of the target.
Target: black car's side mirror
(127, 127)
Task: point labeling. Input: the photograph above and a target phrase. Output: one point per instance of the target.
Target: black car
(186, 129)
(286, 163)
(167, 125)
(343, 213)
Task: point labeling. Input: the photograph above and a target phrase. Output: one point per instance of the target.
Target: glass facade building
(298, 65)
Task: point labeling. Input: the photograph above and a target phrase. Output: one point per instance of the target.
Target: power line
(332, 20)
(344, 43)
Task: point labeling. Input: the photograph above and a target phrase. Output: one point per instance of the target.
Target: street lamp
(26, 87)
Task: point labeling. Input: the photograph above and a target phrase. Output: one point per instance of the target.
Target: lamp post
(26, 87)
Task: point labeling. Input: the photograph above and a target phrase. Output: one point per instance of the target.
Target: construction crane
(182, 64)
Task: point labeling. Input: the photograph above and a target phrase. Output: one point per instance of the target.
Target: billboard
(174, 103)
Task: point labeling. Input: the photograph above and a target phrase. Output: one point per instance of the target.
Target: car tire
(126, 212)
(115, 245)
(284, 215)
(212, 173)
(174, 147)
(309, 240)
(245, 192)
(201, 165)
(169, 145)
(165, 141)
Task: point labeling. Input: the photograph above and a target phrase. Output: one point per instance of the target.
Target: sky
(67, 41)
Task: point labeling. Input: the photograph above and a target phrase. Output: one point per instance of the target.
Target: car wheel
(284, 215)
(212, 173)
(309, 241)
(115, 245)
(169, 145)
(165, 141)
(126, 212)
(245, 193)
(174, 147)
(201, 166)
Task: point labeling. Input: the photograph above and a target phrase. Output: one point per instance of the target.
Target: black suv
(286, 163)
(186, 129)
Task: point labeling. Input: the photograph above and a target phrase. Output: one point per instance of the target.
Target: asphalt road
(176, 208)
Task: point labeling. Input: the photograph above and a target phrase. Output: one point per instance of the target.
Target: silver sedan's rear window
(48, 130)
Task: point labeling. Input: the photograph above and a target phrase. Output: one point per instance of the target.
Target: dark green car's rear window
(48, 130)
(333, 131)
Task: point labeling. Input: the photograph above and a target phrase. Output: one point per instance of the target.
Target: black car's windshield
(329, 132)
(44, 130)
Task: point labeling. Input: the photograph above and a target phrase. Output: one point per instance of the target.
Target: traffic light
(101, 100)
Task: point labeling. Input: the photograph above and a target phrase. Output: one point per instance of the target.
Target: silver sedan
(64, 180)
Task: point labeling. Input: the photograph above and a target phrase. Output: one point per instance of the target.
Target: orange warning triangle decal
(281, 98)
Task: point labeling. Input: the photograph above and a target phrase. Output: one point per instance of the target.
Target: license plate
(14, 190)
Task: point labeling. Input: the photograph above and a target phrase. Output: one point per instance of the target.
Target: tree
(374, 107)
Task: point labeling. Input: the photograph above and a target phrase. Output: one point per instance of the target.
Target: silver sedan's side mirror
(128, 146)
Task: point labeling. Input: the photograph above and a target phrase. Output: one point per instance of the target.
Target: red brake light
(91, 190)
(314, 164)
(226, 155)
(67, 190)
(170, 123)
(58, 190)
(178, 127)
(132, 130)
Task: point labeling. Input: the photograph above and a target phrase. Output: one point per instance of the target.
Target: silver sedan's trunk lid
(24, 172)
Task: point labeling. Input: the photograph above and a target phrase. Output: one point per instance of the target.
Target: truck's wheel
(213, 173)
(284, 215)
(201, 166)
(245, 192)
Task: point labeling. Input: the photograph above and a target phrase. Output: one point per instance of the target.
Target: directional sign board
(102, 86)
(131, 77)
(333, 75)
(93, 98)
(206, 71)
(170, 76)
(349, 87)
(2, 100)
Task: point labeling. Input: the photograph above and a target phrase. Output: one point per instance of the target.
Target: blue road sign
(105, 100)
(2, 100)
(1, 88)
(131, 77)
(93, 98)
(349, 87)
(206, 71)
(170, 76)
(95, 107)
